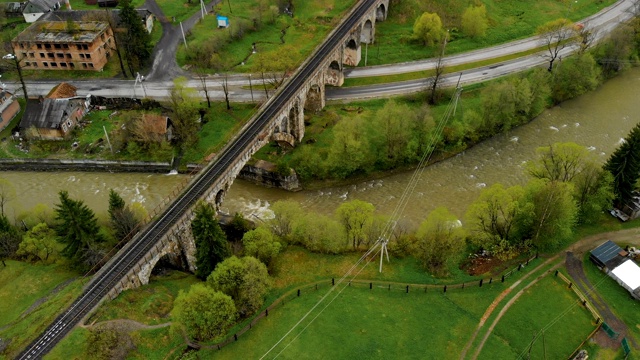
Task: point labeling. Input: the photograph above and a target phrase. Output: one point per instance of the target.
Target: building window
(85, 46)
(45, 64)
(35, 64)
(78, 46)
(88, 56)
(63, 64)
(50, 55)
(57, 46)
(64, 127)
(39, 46)
(69, 123)
(60, 55)
(81, 56)
(42, 55)
(47, 46)
(32, 55)
(68, 56)
(91, 65)
(84, 65)
(72, 65)
(54, 64)
(65, 46)
(24, 55)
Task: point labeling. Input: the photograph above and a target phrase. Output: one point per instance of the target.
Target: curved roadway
(106, 280)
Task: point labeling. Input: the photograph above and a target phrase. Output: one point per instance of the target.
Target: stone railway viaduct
(280, 119)
(286, 127)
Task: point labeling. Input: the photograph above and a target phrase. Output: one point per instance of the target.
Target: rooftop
(629, 273)
(58, 31)
(62, 91)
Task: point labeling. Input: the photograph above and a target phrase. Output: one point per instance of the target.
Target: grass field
(21, 285)
(547, 305)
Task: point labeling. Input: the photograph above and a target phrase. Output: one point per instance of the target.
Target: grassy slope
(566, 323)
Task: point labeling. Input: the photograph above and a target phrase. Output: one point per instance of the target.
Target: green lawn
(508, 20)
(179, 9)
(22, 285)
(312, 22)
(547, 305)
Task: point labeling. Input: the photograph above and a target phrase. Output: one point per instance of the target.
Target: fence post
(266, 312)
(463, 285)
(527, 262)
(556, 274)
(349, 282)
(333, 281)
(490, 280)
(536, 254)
(235, 337)
(584, 303)
(445, 288)
(480, 283)
(407, 289)
(570, 285)
(218, 346)
(597, 321)
(316, 286)
(519, 267)
(370, 285)
(298, 292)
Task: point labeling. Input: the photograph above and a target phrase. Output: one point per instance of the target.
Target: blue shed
(223, 21)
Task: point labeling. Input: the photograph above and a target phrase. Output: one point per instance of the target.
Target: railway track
(106, 279)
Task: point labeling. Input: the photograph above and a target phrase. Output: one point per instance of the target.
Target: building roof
(57, 31)
(35, 6)
(44, 115)
(13, 7)
(62, 91)
(606, 253)
(629, 273)
(90, 15)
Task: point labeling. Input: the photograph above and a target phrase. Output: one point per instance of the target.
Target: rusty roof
(157, 123)
(62, 91)
(58, 31)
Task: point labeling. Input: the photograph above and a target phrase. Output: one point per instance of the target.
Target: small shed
(606, 255)
(223, 21)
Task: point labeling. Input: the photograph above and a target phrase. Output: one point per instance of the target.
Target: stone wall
(263, 173)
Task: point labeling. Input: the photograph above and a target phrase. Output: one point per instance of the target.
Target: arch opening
(220, 197)
(166, 264)
(366, 35)
(381, 13)
(293, 117)
(351, 44)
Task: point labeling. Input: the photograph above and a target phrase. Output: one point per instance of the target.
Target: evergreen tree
(9, 239)
(624, 165)
(135, 38)
(211, 243)
(76, 227)
(123, 220)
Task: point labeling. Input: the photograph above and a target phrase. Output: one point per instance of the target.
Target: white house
(36, 8)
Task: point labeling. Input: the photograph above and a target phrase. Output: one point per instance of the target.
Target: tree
(76, 227)
(593, 192)
(7, 194)
(38, 244)
(428, 29)
(554, 213)
(624, 165)
(474, 21)
(559, 162)
(614, 54)
(122, 219)
(285, 213)
(394, 124)
(136, 39)
(349, 152)
(439, 238)
(184, 104)
(39, 213)
(493, 216)
(354, 216)
(261, 244)
(203, 312)
(319, 233)
(225, 89)
(237, 227)
(555, 36)
(246, 280)
(211, 242)
(577, 75)
(506, 104)
(433, 83)
(203, 76)
(273, 66)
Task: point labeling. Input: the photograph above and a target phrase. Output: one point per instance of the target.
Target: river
(598, 120)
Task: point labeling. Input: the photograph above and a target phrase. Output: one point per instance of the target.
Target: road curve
(105, 280)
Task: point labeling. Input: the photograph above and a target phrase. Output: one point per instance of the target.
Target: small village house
(54, 116)
(34, 9)
(616, 263)
(9, 108)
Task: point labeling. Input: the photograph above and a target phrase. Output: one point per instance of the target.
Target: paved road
(156, 87)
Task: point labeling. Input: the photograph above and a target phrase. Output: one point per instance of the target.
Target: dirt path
(124, 325)
(574, 267)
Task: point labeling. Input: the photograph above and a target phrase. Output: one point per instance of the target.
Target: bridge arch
(219, 198)
(366, 35)
(381, 13)
(294, 126)
(352, 53)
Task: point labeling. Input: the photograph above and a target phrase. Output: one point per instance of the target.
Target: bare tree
(225, 88)
(555, 36)
(203, 83)
(433, 83)
(7, 193)
(585, 36)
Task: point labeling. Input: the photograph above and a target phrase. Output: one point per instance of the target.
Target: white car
(9, 57)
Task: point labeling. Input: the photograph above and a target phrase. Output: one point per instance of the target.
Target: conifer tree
(135, 38)
(624, 165)
(211, 243)
(123, 220)
(76, 227)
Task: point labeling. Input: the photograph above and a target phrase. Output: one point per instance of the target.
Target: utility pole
(250, 88)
